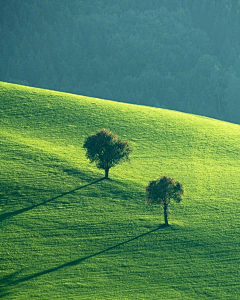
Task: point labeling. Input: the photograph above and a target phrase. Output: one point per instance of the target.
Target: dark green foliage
(106, 150)
(181, 55)
(162, 191)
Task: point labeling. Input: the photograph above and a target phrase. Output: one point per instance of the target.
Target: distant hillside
(181, 55)
(66, 234)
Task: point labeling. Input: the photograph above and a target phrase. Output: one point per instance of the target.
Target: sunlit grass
(54, 232)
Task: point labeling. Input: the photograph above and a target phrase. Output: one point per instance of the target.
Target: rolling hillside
(68, 234)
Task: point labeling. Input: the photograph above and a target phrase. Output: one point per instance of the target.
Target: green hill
(66, 234)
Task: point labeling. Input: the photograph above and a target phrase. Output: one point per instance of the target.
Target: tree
(106, 150)
(162, 191)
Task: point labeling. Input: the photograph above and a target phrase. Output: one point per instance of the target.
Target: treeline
(177, 54)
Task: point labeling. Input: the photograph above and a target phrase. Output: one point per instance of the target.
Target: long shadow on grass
(22, 210)
(6, 281)
(80, 260)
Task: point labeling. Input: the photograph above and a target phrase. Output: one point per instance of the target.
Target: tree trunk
(106, 173)
(165, 214)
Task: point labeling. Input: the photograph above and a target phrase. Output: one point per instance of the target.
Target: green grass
(65, 238)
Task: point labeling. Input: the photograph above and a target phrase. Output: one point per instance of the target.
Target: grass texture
(68, 234)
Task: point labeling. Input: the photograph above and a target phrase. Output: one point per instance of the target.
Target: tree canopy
(162, 191)
(106, 150)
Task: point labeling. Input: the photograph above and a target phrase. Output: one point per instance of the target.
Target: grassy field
(68, 234)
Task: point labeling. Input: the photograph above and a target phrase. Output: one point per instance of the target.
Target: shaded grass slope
(68, 234)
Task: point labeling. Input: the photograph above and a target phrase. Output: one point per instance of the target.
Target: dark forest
(176, 54)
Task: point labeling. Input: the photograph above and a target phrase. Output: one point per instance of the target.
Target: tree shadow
(6, 281)
(5, 294)
(80, 260)
(22, 210)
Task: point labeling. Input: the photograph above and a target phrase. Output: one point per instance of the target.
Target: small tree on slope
(106, 150)
(162, 191)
